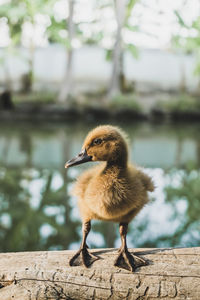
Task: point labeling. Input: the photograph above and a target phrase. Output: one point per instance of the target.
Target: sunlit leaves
(189, 38)
(180, 19)
(133, 49)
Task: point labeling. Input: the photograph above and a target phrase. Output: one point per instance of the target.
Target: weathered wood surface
(171, 274)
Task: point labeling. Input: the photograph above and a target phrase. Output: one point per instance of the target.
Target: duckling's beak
(79, 159)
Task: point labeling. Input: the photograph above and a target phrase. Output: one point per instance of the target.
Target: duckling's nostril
(82, 153)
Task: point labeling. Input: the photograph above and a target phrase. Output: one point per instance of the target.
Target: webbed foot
(83, 257)
(128, 261)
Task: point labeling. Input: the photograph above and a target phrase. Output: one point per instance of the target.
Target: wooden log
(170, 274)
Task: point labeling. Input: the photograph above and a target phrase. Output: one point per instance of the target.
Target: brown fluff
(114, 190)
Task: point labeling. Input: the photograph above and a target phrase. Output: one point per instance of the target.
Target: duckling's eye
(97, 141)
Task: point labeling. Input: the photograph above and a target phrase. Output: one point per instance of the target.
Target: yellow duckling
(113, 190)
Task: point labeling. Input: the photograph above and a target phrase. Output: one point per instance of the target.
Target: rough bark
(170, 274)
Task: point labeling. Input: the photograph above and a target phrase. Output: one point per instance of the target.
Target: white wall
(160, 68)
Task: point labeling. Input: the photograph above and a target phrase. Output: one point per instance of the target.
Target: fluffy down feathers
(113, 190)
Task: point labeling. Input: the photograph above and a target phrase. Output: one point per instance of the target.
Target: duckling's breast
(110, 197)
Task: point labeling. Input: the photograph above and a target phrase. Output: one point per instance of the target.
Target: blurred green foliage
(125, 101)
(180, 103)
(18, 13)
(35, 97)
(190, 43)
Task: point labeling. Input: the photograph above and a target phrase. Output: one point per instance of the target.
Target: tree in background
(117, 68)
(64, 30)
(123, 12)
(66, 88)
(60, 31)
(93, 31)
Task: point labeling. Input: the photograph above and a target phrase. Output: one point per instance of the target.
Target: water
(37, 212)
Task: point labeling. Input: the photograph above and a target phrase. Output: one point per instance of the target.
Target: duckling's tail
(147, 182)
(149, 185)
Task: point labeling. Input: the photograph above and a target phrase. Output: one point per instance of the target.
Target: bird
(113, 190)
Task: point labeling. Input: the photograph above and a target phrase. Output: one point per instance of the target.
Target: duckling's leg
(125, 259)
(82, 256)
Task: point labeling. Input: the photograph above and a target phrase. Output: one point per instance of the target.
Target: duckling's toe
(83, 257)
(128, 261)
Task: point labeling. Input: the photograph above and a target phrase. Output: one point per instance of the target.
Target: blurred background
(67, 66)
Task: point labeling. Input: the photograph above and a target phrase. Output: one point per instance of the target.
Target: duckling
(113, 190)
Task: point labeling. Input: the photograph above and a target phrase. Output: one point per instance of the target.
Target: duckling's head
(104, 143)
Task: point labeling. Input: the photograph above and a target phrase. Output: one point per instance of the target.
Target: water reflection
(37, 213)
